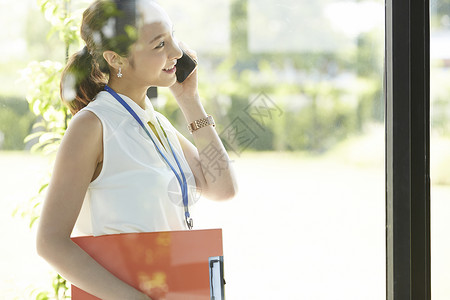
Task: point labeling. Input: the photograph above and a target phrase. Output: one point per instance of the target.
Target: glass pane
(440, 147)
(296, 89)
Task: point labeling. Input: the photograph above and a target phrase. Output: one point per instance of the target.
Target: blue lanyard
(182, 181)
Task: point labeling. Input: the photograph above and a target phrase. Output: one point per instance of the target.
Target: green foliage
(43, 97)
(41, 46)
(32, 209)
(15, 123)
(317, 113)
(440, 101)
(59, 290)
(440, 14)
(43, 81)
(369, 55)
(322, 122)
(64, 23)
(318, 109)
(440, 120)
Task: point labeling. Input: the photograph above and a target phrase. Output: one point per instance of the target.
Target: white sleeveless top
(136, 190)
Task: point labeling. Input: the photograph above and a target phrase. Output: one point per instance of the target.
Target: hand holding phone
(185, 66)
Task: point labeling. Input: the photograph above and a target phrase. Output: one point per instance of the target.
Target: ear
(114, 60)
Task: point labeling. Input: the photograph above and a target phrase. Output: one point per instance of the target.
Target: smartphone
(185, 66)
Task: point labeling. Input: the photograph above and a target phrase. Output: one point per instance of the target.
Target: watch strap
(197, 124)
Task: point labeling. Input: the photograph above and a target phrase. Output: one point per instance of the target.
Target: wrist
(188, 99)
(193, 110)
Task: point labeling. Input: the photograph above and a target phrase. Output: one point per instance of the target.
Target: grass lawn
(301, 228)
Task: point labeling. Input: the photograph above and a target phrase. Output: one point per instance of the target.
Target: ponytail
(81, 80)
(106, 25)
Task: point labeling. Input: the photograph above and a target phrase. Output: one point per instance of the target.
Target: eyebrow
(159, 36)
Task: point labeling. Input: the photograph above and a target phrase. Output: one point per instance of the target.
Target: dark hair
(106, 25)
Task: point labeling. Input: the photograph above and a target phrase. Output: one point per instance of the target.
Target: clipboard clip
(189, 222)
(217, 281)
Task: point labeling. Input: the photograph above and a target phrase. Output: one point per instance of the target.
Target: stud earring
(119, 74)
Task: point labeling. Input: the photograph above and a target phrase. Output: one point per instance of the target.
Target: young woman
(113, 174)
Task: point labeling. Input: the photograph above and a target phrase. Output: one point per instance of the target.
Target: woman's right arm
(80, 152)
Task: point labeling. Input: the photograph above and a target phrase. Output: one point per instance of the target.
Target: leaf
(50, 148)
(48, 136)
(35, 148)
(33, 220)
(33, 136)
(14, 212)
(43, 98)
(51, 32)
(42, 4)
(43, 187)
(38, 124)
(42, 296)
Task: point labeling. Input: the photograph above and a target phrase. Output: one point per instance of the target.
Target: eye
(160, 45)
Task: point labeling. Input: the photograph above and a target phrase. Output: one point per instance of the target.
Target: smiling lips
(170, 70)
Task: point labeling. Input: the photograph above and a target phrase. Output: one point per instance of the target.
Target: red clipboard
(170, 265)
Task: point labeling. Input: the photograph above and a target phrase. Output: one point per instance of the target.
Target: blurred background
(296, 89)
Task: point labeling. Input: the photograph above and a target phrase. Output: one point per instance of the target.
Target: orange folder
(170, 265)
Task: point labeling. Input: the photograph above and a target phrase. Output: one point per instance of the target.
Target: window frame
(407, 124)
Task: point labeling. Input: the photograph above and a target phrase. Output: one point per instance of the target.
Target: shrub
(16, 121)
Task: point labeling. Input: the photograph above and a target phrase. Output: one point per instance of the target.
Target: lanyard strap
(182, 181)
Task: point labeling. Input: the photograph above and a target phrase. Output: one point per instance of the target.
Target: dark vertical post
(407, 150)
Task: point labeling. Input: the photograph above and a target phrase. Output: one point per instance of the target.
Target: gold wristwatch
(197, 124)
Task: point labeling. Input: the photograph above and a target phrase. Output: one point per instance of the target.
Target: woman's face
(154, 55)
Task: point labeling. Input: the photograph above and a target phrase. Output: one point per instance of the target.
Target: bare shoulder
(85, 119)
(85, 123)
(84, 135)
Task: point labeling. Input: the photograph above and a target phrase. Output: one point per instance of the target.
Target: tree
(44, 101)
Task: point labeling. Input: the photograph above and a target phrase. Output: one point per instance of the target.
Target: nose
(177, 52)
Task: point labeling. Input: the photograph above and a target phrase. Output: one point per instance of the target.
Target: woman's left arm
(208, 159)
